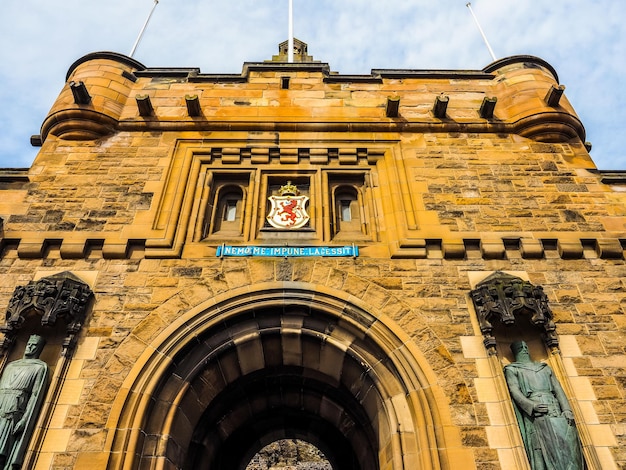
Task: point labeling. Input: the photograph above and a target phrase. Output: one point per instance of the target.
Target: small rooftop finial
(299, 50)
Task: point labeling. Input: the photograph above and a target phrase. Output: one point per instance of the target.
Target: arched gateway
(281, 360)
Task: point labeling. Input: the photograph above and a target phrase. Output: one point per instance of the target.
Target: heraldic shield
(288, 210)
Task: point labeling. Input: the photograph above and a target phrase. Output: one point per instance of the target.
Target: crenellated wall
(316, 99)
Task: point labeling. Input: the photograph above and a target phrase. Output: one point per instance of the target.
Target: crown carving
(289, 190)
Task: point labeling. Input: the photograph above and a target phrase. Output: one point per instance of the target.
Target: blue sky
(583, 40)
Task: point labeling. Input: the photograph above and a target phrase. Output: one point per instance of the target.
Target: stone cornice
(545, 127)
(521, 61)
(32, 245)
(14, 175)
(195, 75)
(107, 55)
(611, 176)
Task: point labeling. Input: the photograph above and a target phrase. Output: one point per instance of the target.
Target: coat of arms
(288, 210)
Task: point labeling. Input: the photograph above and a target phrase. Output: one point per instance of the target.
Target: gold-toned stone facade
(381, 352)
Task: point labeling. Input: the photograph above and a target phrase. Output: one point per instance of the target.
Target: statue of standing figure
(22, 388)
(543, 414)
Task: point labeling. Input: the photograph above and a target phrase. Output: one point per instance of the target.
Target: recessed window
(345, 210)
(229, 209)
(225, 208)
(230, 212)
(348, 211)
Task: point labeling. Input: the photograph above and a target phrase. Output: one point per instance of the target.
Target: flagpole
(145, 25)
(290, 42)
(493, 56)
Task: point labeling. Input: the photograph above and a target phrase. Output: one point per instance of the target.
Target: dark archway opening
(286, 424)
(284, 403)
(292, 350)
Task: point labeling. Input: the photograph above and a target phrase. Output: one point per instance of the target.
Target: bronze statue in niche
(22, 389)
(60, 297)
(543, 413)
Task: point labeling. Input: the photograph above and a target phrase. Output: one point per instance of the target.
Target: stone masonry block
(570, 249)
(453, 249)
(531, 248)
(609, 249)
(492, 249)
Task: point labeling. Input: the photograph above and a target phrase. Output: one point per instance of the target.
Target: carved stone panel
(61, 296)
(504, 298)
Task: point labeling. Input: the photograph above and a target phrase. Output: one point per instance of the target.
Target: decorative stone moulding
(78, 124)
(550, 127)
(505, 298)
(111, 246)
(60, 296)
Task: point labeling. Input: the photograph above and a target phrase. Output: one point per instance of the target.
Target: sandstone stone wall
(452, 204)
(427, 298)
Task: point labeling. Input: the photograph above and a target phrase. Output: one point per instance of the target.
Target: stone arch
(282, 359)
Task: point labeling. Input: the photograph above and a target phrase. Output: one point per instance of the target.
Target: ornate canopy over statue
(62, 296)
(502, 298)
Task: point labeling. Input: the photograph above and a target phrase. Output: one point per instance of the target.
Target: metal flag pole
(290, 42)
(493, 56)
(145, 25)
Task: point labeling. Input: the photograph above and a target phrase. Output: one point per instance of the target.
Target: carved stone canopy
(503, 298)
(60, 296)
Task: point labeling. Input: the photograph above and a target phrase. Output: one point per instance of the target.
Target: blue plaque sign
(287, 251)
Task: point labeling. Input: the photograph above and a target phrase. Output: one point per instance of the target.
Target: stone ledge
(111, 247)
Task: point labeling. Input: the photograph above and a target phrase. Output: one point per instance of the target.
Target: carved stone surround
(504, 298)
(61, 296)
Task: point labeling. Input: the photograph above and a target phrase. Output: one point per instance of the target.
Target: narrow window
(349, 206)
(230, 214)
(229, 205)
(345, 210)
(225, 210)
(347, 216)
